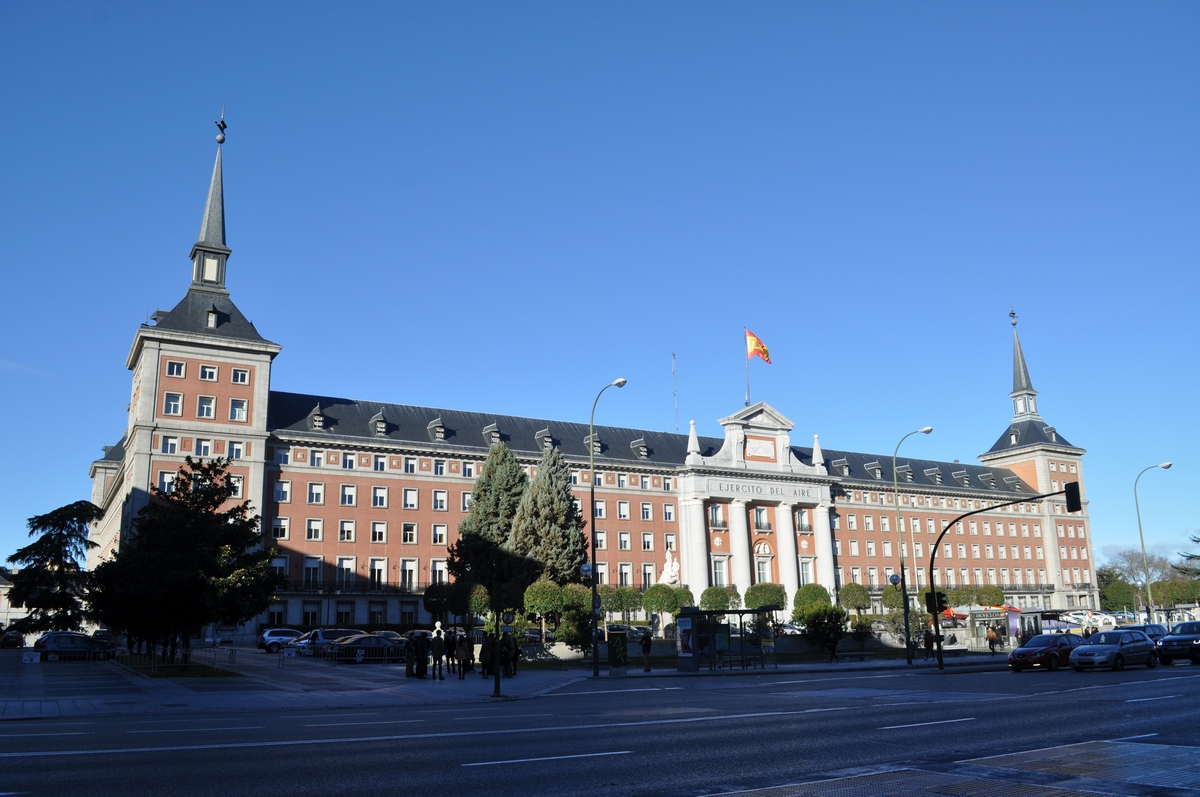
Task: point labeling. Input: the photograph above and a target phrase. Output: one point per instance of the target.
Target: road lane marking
(401, 737)
(606, 691)
(41, 724)
(200, 730)
(372, 722)
(29, 735)
(1131, 738)
(920, 724)
(545, 758)
(499, 716)
(1148, 699)
(328, 716)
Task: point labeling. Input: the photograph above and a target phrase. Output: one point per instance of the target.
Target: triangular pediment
(762, 417)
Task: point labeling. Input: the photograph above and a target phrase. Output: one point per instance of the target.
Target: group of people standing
(457, 653)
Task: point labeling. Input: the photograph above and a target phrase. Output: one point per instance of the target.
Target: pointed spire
(693, 449)
(209, 253)
(818, 458)
(212, 225)
(1021, 381)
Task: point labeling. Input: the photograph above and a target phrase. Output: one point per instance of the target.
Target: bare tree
(1129, 564)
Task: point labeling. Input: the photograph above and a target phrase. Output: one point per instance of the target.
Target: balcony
(717, 524)
(762, 528)
(354, 586)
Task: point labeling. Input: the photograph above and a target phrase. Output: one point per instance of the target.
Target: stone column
(739, 546)
(823, 538)
(789, 565)
(693, 546)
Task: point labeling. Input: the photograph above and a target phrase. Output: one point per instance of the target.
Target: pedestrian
(1087, 633)
(437, 649)
(506, 655)
(992, 639)
(928, 643)
(647, 645)
(410, 656)
(462, 651)
(451, 647)
(485, 655)
(422, 655)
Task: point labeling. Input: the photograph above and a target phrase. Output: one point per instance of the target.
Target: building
(362, 498)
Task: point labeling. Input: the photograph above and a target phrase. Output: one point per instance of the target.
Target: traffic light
(941, 604)
(1071, 489)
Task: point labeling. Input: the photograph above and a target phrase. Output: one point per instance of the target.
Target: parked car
(104, 635)
(1050, 651)
(1152, 630)
(72, 646)
(363, 648)
(393, 637)
(1124, 616)
(1114, 649)
(317, 641)
(790, 629)
(1182, 643)
(12, 639)
(272, 640)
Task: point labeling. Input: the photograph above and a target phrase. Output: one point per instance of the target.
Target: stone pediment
(760, 417)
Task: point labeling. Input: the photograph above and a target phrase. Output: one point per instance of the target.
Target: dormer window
(934, 475)
(544, 439)
(875, 469)
(961, 477)
(212, 319)
(436, 430)
(318, 418)
(593, 444)
(1015, 481)
(1051, 433)
(379, 424)
(841, 466)
(639, 448)
(988, 479)
(904, 472)
(1012, 438)
(491, 434)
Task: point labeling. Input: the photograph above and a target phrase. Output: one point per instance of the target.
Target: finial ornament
(1012, 313)
(220, 123)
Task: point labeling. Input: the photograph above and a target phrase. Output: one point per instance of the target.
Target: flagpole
(747, 334)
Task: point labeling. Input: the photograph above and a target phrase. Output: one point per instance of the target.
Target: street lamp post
(900, 537)
(1145, 562)
(592, 492)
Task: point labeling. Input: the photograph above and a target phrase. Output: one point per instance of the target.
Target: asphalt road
(663, 736)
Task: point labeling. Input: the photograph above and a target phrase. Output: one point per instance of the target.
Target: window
(437, 571)
(623, 542)
(203, 448)
(987, 552)
(647, 512)
(917, 549)
(669, 513)
(1041, 554)
(379, 462)
(1001, 550)
(236, 483)
(761, 521)
(314, 459)
(410, 465)
(208, 373)
(644, 482)
(716, 516)
(719, 573)
(170, 445)
(283, 491)
(929, 529)
(408, 534)
(625, 574)
(466, 502)
(313, 529)
(349, 495)
(868, 524)
(601, 540)
(599, 513)
(974, 551)
(852, 522)
(377, 571)
(597, 480)
(316, 493)
(854, 547)
(345, 580)
(837, 547)
(410, 498)
(468, 470)
(870, 547)
(166, 481)
(946, 550)
(439, 533)
(622, 510)
(647, 541)
(669, 542)
(855, 574)
(378, 531)
(237, 410)
(312, 580)
(408, 574)
(279, 528)
(347, 461)
(666, 483)
(439, 468)
(280, 455)
(346, 531)
(647, 575)
(379, 497)
(887, 548)
(204, 406)
(172, 404)
(884, 524)
(441, 500)
(175, 369)
(235, 450)
(974, 529)
(806, 571)
(621, 480)
(241, 376)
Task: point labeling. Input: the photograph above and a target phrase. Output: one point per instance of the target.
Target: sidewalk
(37, 691)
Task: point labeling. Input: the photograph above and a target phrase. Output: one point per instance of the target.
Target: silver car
(1114, 649)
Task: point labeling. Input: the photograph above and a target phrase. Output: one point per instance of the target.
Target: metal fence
(158, 664)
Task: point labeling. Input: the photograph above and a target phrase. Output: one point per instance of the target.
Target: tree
(853, 596)
(1116, 593)
(1128, 563)
(825, 626)
(576, 596)
(575, 624)
(438, 599)
(610, 601)
(892, 597)
(720, 598)
(962, 596)
(1188, 562)
(861, 631)
(495, 497)
(51, 583)
(989, 595)
(544, 597)
(547, 526)
(765, 594)
(917, 623)
(684, 597)
(809, 598)
(660, 599)
(629, 599)
(195, 558)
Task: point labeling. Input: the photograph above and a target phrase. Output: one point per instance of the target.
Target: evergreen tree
(51, 582)
(765, 594)
(547, 526)
(854, 596)
(809, 598)
(684, 597)
(495, 497)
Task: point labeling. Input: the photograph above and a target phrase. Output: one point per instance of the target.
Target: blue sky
(504, 207)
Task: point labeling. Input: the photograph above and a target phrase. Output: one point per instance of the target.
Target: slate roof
(852, 467)
(347, 419)
(1029, 433)
(191, 315)
(114, 453)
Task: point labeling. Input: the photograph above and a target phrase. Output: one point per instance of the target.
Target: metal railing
(355, 586)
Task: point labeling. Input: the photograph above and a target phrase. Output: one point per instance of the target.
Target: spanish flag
(755, 347)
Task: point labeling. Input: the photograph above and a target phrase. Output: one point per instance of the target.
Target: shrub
(825, 627)
(856, 597)
(765, 594)
(808, 598)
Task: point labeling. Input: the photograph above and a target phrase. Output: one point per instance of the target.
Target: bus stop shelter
(708, 639)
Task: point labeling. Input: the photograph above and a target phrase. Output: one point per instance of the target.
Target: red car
(12, 639)
(1050, 651)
